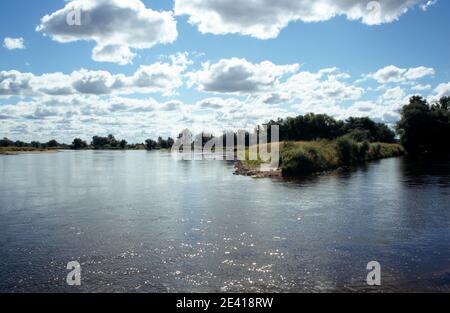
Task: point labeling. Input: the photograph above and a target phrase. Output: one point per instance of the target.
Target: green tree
(423, 128)
(100, 142)
(170, 142)
(123, 144)
(151, 144)
(112, 142)
(444, 103)
(375, 132)
(52, 144)
(36, 144)
(78, 144)
(5, 142)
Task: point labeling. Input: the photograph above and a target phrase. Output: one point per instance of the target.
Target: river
(141, 221)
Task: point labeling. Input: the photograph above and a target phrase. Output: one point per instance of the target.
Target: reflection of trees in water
(426, 170)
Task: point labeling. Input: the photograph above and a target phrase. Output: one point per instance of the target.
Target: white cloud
(272, 84)
(15, 83)
(420, 87)
(276, 98)
(65, 118)
(52, 84)
(442, 90)
(388, 74)
(120, 54)
(325, 92)
(394, 74)
(374, 110)
(393, 97)
(87, 102)
(264, 19)
(428, 4)
(95, 82)
(117, 27)
(385, 109)
(171, 106)
(232, 113)
(419, 72)
(14, 43)
(159, 77)
(316, 89)
(211, 104)
(239, 76)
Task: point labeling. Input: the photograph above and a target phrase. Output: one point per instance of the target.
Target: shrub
(299, 159)
(303, 158)
(297, 162)
(375, 151)
(364, 150)
(348, 150)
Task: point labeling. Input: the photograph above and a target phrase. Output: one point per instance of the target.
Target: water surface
(146, 222)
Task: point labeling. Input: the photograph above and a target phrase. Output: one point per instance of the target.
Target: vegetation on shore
(317, 143)
(17, 147)
(111, 143)
(304, 158)
(22, 150)
(424, 127)
(301, 158)
(312, 127)
(98, 143)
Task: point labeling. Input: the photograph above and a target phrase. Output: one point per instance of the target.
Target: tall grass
(304, 158)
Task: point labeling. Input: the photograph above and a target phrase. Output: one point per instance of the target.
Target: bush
(364, 149)
(296, 162)
(306, 158)
(351, 152)
(303, 158)
(348, 151)
(375, 151)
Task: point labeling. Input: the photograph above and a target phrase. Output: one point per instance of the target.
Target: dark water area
(146, 222)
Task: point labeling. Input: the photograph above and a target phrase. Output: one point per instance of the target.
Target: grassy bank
(309, 157)
(304, 158)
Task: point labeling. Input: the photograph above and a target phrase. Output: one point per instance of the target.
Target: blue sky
(344, 62)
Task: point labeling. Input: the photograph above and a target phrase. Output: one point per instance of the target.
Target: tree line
(321, 126)
(98, 143)
(5, 142)
(111, 143)
(311, 127)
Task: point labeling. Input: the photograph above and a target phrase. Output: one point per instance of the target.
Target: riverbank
(245, 169)
(24, 150)
(313, 157)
